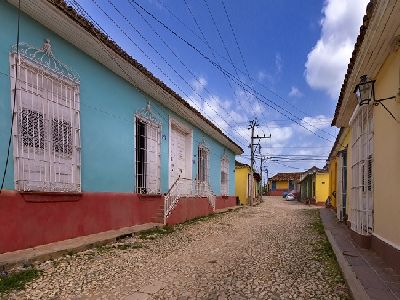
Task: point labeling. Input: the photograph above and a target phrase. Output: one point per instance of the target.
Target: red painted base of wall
(225, 202)
(189, 208)
(31, 219)
(276, 192)
(193, 207)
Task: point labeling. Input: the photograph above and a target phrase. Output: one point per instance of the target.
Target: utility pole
(252, 125)
(261, 174)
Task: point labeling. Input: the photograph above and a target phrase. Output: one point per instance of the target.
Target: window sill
(40, 197)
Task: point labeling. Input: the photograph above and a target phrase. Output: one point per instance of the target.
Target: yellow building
(339, 176)
(283, 182)
(372, 116)
(242, 183)
(314, 186)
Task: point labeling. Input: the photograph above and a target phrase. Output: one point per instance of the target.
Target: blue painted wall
(108, 104)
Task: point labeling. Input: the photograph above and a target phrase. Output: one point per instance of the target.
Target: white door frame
(189, 148)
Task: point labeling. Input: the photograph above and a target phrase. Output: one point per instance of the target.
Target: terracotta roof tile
(285, 176)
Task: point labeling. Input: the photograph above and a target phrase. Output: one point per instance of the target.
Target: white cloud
(315, 123)
(199, 84)
(295, 92)
(327, 62)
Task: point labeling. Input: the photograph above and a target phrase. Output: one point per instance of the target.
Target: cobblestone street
(272, 251)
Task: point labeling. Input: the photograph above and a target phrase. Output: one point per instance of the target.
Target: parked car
(290, 197)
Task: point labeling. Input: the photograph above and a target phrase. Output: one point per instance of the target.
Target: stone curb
(45, 252)
(356, 288)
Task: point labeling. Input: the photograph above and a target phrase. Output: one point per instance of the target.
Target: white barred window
(362, 135)
(147, 143)
(224, 176)
(202, 171)
(46, 131)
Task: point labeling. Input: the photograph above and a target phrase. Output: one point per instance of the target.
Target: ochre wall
(321, 187)
(333, 180)
(30, 220)
(386, 164)
(241, 178)
(282, 185)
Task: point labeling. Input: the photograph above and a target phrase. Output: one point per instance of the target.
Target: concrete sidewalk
(366, 273)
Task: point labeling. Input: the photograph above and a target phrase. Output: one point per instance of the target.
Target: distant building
(314, 186)
(242, 183)
(283, 182)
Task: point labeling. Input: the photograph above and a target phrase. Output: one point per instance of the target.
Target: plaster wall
(321, 187)
(386, 164)
(282, 185)
(241, 183)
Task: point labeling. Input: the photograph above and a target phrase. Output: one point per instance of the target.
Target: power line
(235, 38)
(219, 67)
(81, 9)
(229, 56)
(285, 165)
(212, 51)
(164, 59)
(252, 79)
(182, 63)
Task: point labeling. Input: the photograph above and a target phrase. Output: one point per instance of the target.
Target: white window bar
(224, 176)
(147, 154)
(46, 129)
(202, 171)
(362, 171)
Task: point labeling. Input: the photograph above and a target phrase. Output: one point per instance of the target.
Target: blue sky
(285, 69)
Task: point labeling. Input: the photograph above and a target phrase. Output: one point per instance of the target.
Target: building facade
(372, 117)
(94, 132)
(283, 182)
(243, 183)
(314, 186)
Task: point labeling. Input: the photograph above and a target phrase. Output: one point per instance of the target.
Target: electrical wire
(219, 67)
(163, 58)
(82, 10)
(14, 99)
(182, 63)
(252, 79)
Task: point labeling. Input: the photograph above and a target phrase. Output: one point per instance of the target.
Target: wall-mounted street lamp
(365, 92)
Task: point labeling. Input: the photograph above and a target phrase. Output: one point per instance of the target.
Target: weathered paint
(30, 220)
(386, 164)
(108, 105)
